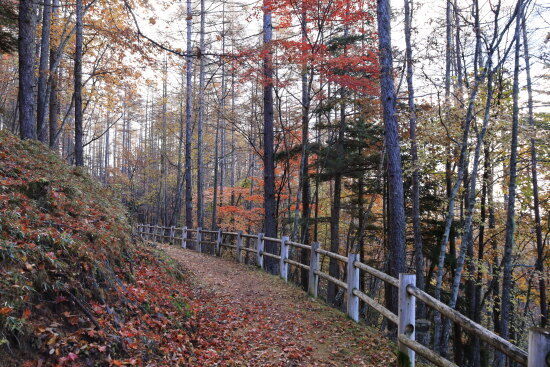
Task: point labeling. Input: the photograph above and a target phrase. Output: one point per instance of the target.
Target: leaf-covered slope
(74, 289)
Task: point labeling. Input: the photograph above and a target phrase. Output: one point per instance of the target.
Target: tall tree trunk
(188, 126)
(27, 128)
(200, 119)
(163, 194)
(396, 208)
(448, 173)
(78, 132)
(304, 191)
(270, 221)
(179, 179)
(334, 265)
(54, 76)
(539, 264)
(506, 302)
(418, 252)
(214, 224)
(41, 129)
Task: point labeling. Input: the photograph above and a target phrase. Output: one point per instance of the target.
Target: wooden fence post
(239, 246)
(149, 231)
(406, 315)
(283, 265)
(183, 237)
(313, 267)
(353, 283)
(172, 234)
(219, 239)
(157, 230)
(260, 249)
(199, 239)
(539, 347)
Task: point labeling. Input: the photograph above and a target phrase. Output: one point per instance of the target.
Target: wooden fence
(539, 339)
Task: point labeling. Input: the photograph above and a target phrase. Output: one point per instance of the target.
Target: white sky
(428, 40)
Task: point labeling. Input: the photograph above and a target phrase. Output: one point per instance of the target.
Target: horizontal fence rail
(539, 339)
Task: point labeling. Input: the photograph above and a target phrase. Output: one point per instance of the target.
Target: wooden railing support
(183, 237)
(157, 233)
(219, 240)
(260, 250)
(353, 283)
(239, 246)
(283, 265)
(313, 268)
(406, 315)
(172, 235)
(539, 347)
(199, 239)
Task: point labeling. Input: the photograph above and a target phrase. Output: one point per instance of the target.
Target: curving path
(250, 318)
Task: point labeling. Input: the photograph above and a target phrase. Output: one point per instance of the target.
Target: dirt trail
(250, 318)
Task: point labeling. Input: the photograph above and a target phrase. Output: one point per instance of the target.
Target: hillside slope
(74, 289)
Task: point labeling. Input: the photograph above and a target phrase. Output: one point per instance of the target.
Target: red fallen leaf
(72, 356)
(5, 310)
(26, 313)
(295, 355)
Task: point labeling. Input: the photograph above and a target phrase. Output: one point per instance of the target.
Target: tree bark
(27, 128)
(396, 209)
(78, 132)
(304, 191)
(54, 76)
(507, 285)
(188, 122)
(270, 222)
(42, 101)
(539, 264)
(200, 119)
(418, 251)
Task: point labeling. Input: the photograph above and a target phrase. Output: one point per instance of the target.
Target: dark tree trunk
(41, 129)
(418, 252)
(539, 264)
(200, 119)
(27, 128)
(270, 222)
(78, 132)
(304, 162)
(188, 126)
(396, 209)
(54, 78)
(506, 300)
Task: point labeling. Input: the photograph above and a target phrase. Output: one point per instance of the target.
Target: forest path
(251, 318)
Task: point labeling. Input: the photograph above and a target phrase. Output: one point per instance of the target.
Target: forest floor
(248, 317)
